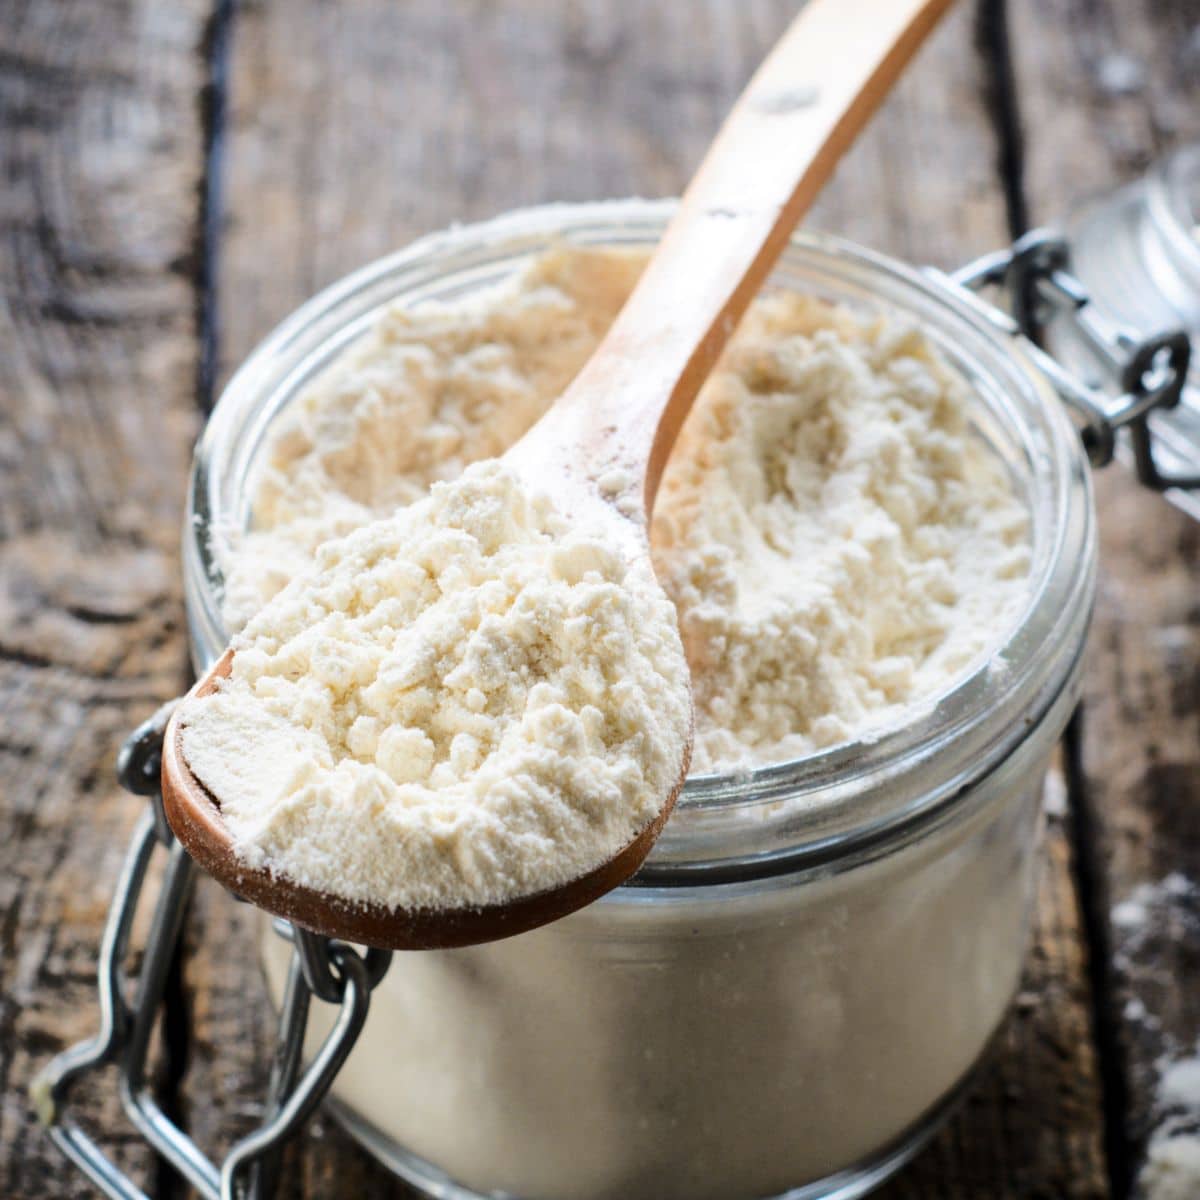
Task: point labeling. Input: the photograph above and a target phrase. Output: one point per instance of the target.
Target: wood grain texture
(457, 111)
(1105, 88)
(355, 127)
(100, 155)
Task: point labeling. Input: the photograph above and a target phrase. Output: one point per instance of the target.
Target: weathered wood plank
(1106, 88)
(355, 127)
(101, 156)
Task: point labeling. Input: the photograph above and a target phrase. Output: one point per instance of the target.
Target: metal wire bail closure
(1035, 277)
(333, 971)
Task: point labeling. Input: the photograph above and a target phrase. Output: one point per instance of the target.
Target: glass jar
(790, 994)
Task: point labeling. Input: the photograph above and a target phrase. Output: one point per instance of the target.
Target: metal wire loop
(1035, 275)
(332, 970)
(139, 765)
(290, 1106)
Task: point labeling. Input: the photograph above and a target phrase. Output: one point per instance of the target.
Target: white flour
(838, 546)
(1172, 1169)
(1172, 1166)
(466, 703)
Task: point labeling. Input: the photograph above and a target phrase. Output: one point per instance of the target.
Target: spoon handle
(797, 116)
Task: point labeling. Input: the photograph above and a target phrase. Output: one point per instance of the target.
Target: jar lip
(825, 803)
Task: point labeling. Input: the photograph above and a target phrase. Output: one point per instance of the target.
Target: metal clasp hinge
(1034, 276)
(130, 1008)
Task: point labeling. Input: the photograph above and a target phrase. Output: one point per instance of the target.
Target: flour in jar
(839, 545)
(469, 702)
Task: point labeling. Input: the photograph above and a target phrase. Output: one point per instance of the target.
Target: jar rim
(823, 807)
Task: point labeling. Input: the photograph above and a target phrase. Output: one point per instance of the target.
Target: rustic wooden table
(178, 174)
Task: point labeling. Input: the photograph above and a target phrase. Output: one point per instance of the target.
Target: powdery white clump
(463, 704)
(840, 545)
(1172, 1168)
(419, 397)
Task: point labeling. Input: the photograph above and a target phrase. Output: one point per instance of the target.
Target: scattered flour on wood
(1151, 912)
(1172, 1167)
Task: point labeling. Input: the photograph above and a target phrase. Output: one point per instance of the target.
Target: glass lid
(1137, 251)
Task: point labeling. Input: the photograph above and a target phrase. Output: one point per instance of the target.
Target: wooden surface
(100, 164)
(1098, 108)
(131, 282)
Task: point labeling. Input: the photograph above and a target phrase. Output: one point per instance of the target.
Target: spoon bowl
(194, 814)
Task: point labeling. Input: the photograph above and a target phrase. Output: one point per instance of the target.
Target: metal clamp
(129, 1008)
(1035, 276)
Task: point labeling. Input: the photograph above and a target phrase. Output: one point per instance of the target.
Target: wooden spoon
(601, 448)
